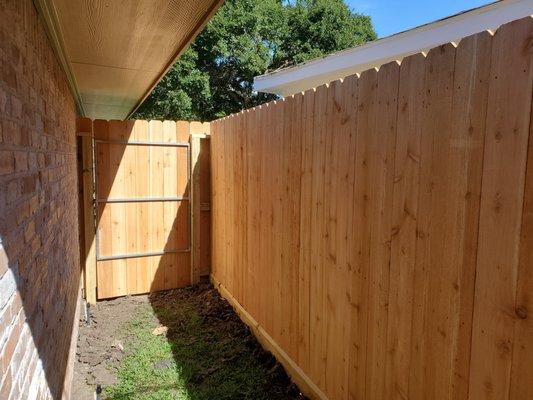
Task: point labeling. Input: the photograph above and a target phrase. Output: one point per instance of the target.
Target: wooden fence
(149, 182)
(378, 232)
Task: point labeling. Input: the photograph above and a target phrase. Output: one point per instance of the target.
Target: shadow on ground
(180, 344)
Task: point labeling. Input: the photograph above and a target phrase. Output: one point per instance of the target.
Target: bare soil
(100, 344)
(209, 343)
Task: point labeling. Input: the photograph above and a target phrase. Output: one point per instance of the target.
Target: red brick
(14, 243)
(29, 183)
(38, 205)
(33, 204)
(24, 138)
(16, 304)
(4, 261)
(23, 213)
(12, 189)
(7, 162)
(16, 107)
(15, 392)
(40, 160)
(21, 161)
(6, 319)
(9, 75)
(5, 389)
(29, 232)
(3, 101)
(35, 244)
(18, 361)
(29, 376)
(32, 161)
(9, 347)
(11, 132)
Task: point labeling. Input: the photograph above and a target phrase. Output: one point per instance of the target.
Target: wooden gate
(138, 222)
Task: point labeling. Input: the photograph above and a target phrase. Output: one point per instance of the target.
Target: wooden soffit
(115, 51)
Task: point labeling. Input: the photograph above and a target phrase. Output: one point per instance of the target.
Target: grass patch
(206, 354)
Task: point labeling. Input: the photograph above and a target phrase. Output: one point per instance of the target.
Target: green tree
(316, 28)
(246, 38)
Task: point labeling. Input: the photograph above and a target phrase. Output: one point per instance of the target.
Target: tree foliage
(246, 38)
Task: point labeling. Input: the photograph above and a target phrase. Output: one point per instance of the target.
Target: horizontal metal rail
(139, 255)
(142, 200)
(131, 200)
(142, 143)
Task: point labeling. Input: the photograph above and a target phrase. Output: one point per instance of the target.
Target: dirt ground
(100, 348)
(179, 344)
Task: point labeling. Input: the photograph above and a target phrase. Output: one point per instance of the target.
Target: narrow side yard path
(185, 344)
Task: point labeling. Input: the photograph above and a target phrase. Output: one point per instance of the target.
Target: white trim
(46, 10)
(355, 60)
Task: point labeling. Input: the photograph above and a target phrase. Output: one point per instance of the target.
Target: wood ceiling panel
(118, 49)
(105, 111)
(113, 86)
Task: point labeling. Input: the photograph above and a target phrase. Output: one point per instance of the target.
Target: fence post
(85, 130)
(199, 134)
(195, 208)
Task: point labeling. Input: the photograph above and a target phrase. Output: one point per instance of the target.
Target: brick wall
(39, 259)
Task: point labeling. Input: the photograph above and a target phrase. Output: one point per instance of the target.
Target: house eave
(46, 11)
(374, 54)
(114, 53)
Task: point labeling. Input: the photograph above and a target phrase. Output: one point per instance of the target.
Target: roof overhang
(374, 54)
(115, 51)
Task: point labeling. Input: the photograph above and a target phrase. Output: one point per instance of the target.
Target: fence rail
(379, 230)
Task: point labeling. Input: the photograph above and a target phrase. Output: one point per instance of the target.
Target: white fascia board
(374, 54)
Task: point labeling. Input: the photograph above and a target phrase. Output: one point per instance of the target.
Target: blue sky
(393, 16)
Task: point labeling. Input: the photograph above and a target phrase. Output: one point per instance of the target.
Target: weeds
(205, 355)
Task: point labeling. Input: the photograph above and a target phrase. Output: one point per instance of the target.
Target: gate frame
(89, 201)
(84, 127)
(98, 200)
